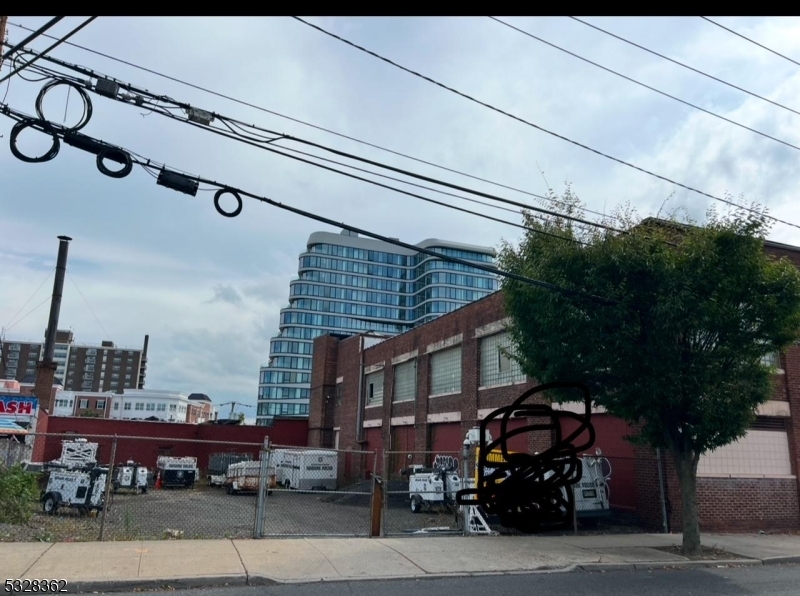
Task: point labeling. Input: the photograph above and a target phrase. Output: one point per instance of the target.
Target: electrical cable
(646, 86)
(686, 66)
(89, 144)
(87, 104)
(542, 129)
(261, 141)
(751, 40)
(28, 313)
(30, 38)
(49, 49)
(303, 122)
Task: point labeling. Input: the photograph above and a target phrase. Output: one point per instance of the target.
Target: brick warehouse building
(422, 391)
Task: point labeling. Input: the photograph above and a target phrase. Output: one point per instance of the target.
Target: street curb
(129, 585)
(649, 565)
(781, 560)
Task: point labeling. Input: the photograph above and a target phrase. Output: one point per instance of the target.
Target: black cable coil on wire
(220, 210)
(46, 128)
(87, 102)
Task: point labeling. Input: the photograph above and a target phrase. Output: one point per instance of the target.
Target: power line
(36, 291)
(261, 142)
(179, 182)
(541, 128)
(646, 86)
(686, 66)
(751, 41)
(303, 122)
(49, 49)
(86, 302)
(31, 37)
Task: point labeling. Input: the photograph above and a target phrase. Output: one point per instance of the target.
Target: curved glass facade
(349, 285)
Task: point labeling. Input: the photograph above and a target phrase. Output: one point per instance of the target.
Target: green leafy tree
(18, 490)
(240, 416)
(676, 344)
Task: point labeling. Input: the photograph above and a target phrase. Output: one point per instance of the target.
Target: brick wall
(747, 504)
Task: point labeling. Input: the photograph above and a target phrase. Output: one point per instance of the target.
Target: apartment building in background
(349, 285)
(81, 367)
(136, 404)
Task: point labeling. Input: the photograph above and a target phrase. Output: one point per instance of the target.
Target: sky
(207, 289)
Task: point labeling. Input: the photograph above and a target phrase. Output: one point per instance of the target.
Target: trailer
(218, 464)
(130, 475)
(79, 489)
(306, 469)
(245, 476)
(75, 453)
(177, 472)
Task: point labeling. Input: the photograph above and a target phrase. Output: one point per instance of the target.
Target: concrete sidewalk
(108, 566)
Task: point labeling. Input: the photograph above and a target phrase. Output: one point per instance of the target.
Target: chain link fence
(320, 492)
(420, 489)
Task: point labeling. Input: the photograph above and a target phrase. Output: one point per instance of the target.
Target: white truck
(244, 476)
(306, 469)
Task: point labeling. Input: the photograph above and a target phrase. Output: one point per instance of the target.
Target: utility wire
(49, 49)
(751, 41)
(262, 142)
(303, 122)
(36, 291)
(646, 86)
(686, 66)
(31, 37)
(58, 131)
(541, 128)
(86, 302)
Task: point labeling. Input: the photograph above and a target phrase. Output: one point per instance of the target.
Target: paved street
(773, 580)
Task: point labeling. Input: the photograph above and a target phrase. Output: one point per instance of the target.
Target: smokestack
(46, 369)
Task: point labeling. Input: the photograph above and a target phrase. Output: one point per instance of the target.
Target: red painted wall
(154, 438)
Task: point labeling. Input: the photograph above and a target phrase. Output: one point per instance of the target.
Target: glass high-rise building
(348, 285)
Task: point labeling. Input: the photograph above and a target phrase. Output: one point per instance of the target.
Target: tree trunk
(686, 464)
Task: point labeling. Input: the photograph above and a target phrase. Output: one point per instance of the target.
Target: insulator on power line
(177, 181)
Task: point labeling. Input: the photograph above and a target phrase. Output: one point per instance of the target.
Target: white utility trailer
(80, 489)
(178, 472)
(131, 475)
(306, 469)
(75, 453)
(244, 476)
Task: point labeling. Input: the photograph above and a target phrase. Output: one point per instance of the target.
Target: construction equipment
(245, 476)
(434, 486)
(75, 453)
(218, 464)
(131, 475)
(306, 469)
(233, 404)
(177, 472)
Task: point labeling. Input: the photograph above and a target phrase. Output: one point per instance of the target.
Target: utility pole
(3, 22)
(46, 369)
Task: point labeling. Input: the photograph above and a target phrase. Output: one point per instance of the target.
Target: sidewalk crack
(311, 544)
(47, 550)
(402, 555)
(241, 560)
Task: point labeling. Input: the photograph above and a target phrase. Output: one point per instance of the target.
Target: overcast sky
(208, 289)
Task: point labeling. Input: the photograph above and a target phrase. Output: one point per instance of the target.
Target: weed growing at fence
(18, 489)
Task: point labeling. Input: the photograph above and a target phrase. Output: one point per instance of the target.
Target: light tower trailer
(80, 489)
(131, 475)
(177, 472)
(245, 476)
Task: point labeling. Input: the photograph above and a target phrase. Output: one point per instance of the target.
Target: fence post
(465, 509)
(106, 497)
(664, 519)
(385, 467)
(263, 484)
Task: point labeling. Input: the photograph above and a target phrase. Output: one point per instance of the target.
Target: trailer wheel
(416, 504)
(50, 504)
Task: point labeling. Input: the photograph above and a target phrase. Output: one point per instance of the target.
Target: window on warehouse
(446, 372)
(497, 365)
(373, 385)
(405, 381)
